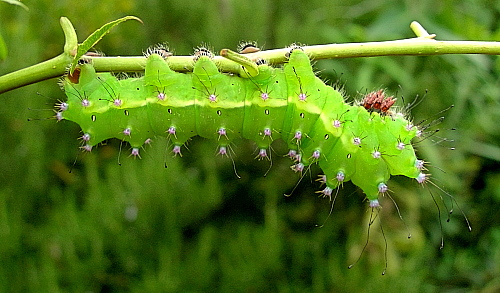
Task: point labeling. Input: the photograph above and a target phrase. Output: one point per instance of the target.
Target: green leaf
(96, 36)
(16, 2)
(3, 49)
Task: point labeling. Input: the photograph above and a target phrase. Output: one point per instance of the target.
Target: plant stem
(422, 45)
(54, 67)
(406, 47)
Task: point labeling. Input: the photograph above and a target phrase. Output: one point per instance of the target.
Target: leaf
(96, 36)
(16, 2)
(3, 49)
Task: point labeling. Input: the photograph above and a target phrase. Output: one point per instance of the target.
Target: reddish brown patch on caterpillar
(378, 101)
(75, 77)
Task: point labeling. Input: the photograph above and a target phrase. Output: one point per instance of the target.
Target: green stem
(423, 44)
(419, 30)
(407, 47)
(250, 66)
(71, 40)
(54, 67)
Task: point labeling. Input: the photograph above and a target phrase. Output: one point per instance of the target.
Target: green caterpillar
(365, 144)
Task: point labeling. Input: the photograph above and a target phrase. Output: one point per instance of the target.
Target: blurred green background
(194, 226)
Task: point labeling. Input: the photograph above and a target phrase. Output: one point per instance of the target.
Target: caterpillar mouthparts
(365, 144)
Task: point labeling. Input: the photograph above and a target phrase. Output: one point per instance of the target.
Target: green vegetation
(194, 226)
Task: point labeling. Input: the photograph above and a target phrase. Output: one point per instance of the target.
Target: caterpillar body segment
(220, 102)
(266, 102)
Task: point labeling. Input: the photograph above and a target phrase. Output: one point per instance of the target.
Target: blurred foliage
(3, 46)
(194, 226)
(3, 49)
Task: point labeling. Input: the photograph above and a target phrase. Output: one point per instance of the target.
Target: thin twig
(423, 45)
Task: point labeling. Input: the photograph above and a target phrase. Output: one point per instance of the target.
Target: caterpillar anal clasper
(349, 142)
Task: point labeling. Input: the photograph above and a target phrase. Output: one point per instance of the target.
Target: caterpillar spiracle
(365, 144)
